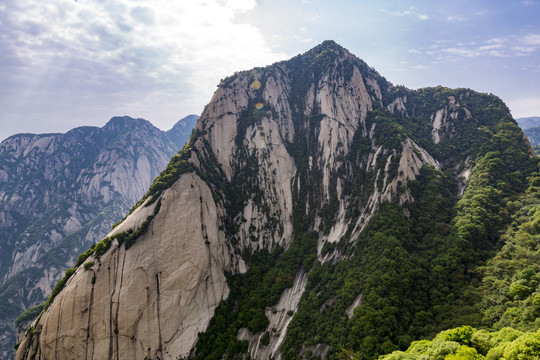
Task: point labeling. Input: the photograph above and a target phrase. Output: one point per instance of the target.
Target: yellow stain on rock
(256, 85)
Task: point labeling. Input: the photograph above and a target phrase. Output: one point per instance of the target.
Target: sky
(69, 63)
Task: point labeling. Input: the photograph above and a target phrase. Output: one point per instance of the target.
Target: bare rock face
(444, 119)
(124, 302)
(315, 144)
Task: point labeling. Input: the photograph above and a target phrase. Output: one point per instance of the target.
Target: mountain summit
(315, 208)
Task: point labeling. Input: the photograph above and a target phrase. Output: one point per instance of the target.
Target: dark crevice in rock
(90, 305)
(160, 349)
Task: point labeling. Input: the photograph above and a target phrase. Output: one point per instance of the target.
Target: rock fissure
(89, 323)
(158, 316)
(117, 312)
(58, 327)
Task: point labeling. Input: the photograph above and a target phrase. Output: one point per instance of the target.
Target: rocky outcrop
(61, 193)
(279, 317)
(315, 144)
(122, 305)
(444, 120)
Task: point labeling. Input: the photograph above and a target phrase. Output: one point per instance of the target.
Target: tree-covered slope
(511, 278)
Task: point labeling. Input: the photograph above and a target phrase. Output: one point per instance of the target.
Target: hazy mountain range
(529, 122)
(59, 193)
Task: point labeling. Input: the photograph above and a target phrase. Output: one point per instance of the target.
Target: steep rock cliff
(285, 178)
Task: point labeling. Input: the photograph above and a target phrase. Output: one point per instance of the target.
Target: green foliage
(82, 257)
(251, 294)
(482, 210)
(526, 347)
(265, 339)
(464, 353)
(511, 281)
(30, 314)
(388, 133)
(461, 335)
(130, 238)
(494, 345)
(102, 246)
(60, 285)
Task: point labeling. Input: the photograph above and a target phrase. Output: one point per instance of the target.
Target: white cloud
(496, 41)
(490, 47)
(462, 52)
(455, 18)
(528, 45)
(487, 50)
(496, 47)
(531, 39)
(524, 50)
(410, 12)
(154, 50)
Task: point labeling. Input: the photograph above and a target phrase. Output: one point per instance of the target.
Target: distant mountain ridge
(180, 132)
(533, 134)
(60, 192)
(531, 128)
(528, 122)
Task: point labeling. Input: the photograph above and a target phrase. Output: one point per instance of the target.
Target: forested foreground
(467, 343)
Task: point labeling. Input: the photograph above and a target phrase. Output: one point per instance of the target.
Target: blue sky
(67, 63)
